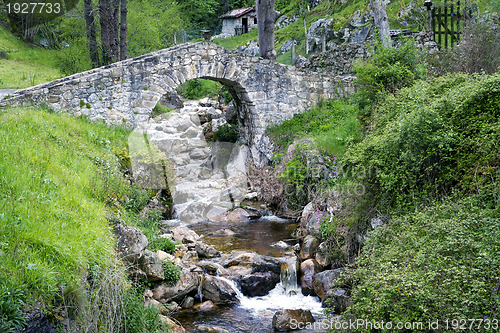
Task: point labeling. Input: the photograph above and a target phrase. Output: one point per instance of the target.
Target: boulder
(190, 257)
(309, 246)
(130, 242)
(164, 256)
(323, 282)
(155, 304)
(224, 233)
(257, 262)
(211, 329)
(186, 284)
(187, 303)
(184, 235)
(172, 325)
(238, 215)
(151, 265)
(258, 284)
(322, 256)
(205, 306)
(280, 245)
(218, 290)
(206, 251)
(308, 269)
(286, 320)
(337, 299)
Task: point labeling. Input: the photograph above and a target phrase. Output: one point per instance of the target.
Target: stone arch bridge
(265, 92)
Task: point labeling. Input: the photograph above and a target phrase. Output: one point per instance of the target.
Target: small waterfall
(288, 277)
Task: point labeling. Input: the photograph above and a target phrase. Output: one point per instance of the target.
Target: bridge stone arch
(126, 92)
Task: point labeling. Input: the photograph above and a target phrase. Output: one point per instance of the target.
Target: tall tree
(111, 25)
(381, 21)
(266, 18)
(123, 29)
(91, 32)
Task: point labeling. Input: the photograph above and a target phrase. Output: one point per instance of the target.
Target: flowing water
(254, 314)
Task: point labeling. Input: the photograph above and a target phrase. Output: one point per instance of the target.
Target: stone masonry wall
(125, 92)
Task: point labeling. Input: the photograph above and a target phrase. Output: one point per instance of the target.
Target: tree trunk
(123, 30)
(91, 35)
(381, 21)
(115, 28)
(104, 20)
(266, 17)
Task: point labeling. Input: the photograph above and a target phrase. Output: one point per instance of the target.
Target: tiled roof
(237, 12)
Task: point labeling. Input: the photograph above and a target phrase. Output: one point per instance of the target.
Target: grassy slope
(57, 177)
(25, 65)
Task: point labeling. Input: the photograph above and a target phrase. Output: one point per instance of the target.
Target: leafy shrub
(225, 133)
(198, 89)
(441, 262)
(478, 51)
(160, 109)
(162, 244)
(138, 318)
(11, 316)
(388, 70)
(172, 272)
(431, 139)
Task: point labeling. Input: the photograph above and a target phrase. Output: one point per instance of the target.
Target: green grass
(332, 124)
(26, 65)
(234, 42)
(58, 182)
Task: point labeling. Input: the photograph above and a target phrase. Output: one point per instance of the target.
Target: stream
(207, 182)
(254, 314)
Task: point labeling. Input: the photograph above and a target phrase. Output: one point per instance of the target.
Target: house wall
(229, 24)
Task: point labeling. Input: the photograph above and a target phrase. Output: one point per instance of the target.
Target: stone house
(239, 21)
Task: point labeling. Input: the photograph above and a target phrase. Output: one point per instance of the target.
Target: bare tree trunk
(104, 17)
(381, 21)
(91, 34)
(115, 28)
(123, 30)
(266, 17)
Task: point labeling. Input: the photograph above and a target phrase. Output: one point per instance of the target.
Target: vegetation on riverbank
(426, 163)
(59, 183)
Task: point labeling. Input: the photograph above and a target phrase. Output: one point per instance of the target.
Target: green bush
(172, 272)
(199, 88)
(138, 318)
(438, 263)
(160, 109)
(431, 139)
(225, 133)
(162, 244)
(387, 71)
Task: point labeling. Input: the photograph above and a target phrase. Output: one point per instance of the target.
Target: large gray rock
(211, 329)
(206, 251)
(152, 266)
(256, 275)
(308, 269)
(187, 283)
(286, 320)
(337, 299)
(323, 256)
(258, 284)
(130, 242)
(309, 246)
(218, 290)
(184, 235)
(323, 282)
(205, 306)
